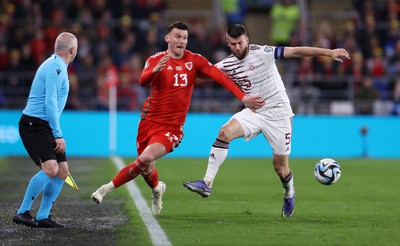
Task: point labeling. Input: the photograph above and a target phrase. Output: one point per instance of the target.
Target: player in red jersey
(171, 74)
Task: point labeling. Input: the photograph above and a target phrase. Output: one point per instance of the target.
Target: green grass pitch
(362, 208)
(245, 204)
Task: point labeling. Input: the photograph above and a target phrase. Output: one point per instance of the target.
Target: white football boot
(100, 193)
(158, 191)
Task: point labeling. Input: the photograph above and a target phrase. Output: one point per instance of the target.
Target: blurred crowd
(372, 37)
(115, 38)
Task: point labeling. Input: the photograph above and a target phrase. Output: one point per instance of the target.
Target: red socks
(130, 172)
(152, 178)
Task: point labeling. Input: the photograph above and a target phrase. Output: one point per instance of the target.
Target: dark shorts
(38, 140)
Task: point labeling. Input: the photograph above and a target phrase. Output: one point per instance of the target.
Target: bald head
(66, 46)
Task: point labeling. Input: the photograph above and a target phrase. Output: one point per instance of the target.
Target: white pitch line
(157, 235)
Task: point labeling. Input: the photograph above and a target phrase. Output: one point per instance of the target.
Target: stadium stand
(116, 37)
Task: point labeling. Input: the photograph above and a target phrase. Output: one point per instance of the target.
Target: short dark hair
(178, 25)
(236, 30)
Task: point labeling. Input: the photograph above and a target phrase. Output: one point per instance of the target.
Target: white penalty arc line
(157, 235)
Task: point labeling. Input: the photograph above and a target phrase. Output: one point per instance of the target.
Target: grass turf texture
(133, 232)
(243, 209)
(116, 222)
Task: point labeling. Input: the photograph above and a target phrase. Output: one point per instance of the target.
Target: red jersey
(172, 87)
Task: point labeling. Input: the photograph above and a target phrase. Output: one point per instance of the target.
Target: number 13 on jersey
(180, 79)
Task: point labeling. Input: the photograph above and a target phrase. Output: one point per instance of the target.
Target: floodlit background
(346, 111)
(332, 101)
(117, 37)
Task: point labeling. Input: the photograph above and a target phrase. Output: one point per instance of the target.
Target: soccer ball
(327, 171)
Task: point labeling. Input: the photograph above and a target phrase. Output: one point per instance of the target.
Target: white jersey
(257, 74)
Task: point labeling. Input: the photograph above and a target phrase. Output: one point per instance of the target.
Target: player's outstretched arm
(298, 52)
(253, 102)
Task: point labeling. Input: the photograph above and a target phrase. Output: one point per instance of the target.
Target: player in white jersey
(253, 68)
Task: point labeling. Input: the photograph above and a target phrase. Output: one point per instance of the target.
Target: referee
(40, 131)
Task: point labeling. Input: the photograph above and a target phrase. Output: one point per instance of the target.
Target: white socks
(110, 186)
(215, 160)
(288, 186)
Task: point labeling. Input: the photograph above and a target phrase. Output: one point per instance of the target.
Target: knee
(63, 171)
(50, 168)
(146, 159)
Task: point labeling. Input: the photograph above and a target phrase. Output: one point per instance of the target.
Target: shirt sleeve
(147, 74)
(53, 83)
(270, 54)
(213, 72)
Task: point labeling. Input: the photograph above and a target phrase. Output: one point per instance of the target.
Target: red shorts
(152, 132)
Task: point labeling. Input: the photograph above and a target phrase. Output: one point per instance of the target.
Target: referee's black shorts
(38, 140)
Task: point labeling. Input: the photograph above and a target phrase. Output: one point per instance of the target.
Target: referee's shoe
(49, 223)
(25, 219)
